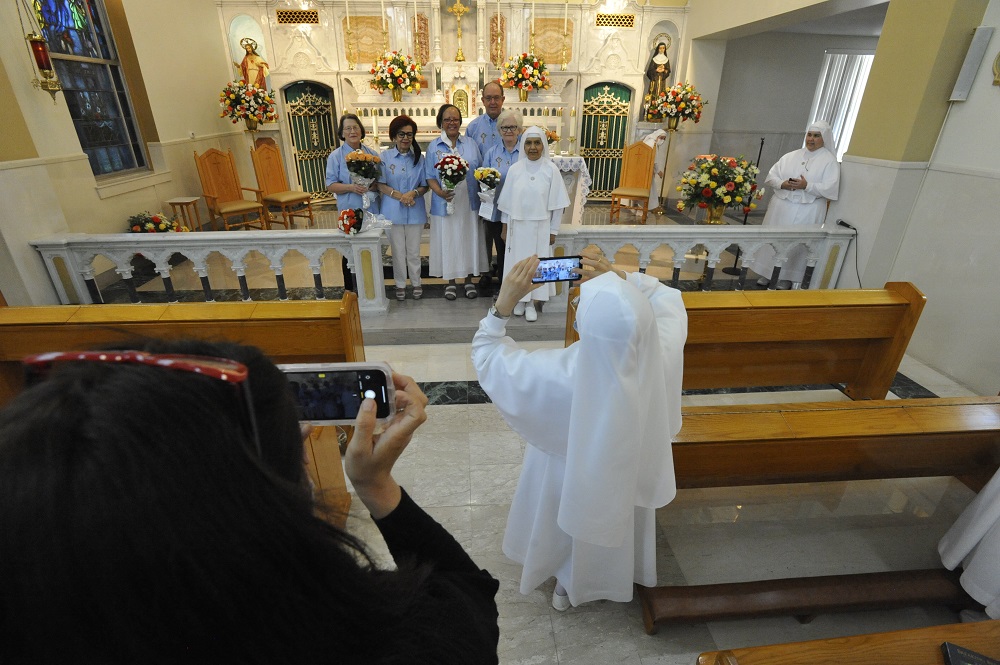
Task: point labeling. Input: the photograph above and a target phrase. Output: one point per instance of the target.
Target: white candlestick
(572, 112)
(347, 9)
(565, 16)
(382, 5)
(415, 26)
(532, 18)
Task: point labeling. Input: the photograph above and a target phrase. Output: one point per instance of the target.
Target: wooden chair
(220, 185)
(274, 187)
(635, 181)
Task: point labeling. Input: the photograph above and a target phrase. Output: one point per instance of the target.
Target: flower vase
(672, 123)
(397, 94)
(522, 94)
(715, 213)
(251, 123)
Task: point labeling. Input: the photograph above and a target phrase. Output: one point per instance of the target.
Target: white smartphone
(331, 393)
(557, 269)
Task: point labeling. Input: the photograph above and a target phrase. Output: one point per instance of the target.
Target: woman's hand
(358, 189)
(503, 232)
(407, 198)
(598, 265)
(516, 284)
(448, 194)
(370, 457)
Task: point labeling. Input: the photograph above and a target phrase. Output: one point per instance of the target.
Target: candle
(559, 112)
(532, 17)
(374, 125)
(382, 5)
(347, 9)
(565, 16)
(416, 28)
(572, 112)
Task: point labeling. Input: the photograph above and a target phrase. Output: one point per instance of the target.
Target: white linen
(656, 140)
(457, 245)
(973, 542)
(598, 418)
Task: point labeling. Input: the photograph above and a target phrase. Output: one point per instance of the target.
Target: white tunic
(598, 418)
(457, 245)
(799, 206)
(974, 543)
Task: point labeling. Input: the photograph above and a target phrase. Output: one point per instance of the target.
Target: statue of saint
(253, 69)
(658, 70)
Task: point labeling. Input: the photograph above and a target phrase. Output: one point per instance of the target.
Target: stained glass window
(84, 56)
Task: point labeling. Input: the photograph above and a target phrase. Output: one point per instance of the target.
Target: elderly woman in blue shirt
(338, 178)
(458, 249)
(403, 185)
(500, 157)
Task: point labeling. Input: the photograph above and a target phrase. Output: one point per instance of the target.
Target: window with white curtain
(838, 92)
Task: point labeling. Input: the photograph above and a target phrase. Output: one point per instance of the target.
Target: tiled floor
(463, 467)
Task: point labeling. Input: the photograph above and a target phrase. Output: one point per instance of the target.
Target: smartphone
(331, 393)
(557, 269)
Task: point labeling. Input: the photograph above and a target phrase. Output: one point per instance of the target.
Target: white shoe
(529, 313)
(519, 309)
(560, 603)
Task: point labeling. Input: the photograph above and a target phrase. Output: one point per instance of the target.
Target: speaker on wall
(974, 57)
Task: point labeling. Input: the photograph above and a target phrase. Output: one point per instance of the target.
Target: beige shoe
(529, 312)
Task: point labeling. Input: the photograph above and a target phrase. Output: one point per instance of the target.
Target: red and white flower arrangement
(711, 180)
(452, 170)
(157, 222)
(526, 71)
(239, 100)
(395, 70)
(349, 221)
(679, 101)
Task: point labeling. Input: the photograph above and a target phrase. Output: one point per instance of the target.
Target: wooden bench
(919, 646)
(291, 331)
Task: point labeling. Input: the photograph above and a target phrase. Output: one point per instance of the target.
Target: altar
(576, 176)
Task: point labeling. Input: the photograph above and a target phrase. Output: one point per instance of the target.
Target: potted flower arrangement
(395, 72)
(717, 183)
(488, 179)
(525, 72)
(364, 169)
(253, 105)
(349, 221)
(551, 136)
(146, 222)
(679, 102)
(452, 170)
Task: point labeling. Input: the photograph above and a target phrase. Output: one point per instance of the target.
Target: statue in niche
(252, 69)
(658, 70)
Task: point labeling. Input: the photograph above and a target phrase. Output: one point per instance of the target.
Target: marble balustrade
(73, 255)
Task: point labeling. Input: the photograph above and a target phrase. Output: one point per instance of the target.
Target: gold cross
(458, 9)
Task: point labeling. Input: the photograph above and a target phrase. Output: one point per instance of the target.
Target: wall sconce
(39, 50)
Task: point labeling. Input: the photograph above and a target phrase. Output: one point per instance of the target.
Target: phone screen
(332, 394)
(557, 269)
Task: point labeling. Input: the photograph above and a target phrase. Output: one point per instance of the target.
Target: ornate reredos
(612, 57)
(301, 54)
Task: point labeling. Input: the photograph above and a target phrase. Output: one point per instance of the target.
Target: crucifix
(458, 9)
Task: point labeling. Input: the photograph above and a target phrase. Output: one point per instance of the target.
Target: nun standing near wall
(804, 181)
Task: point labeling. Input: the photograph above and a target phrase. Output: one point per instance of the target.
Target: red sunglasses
(38, 366)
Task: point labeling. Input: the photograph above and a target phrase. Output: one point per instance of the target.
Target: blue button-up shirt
(500, 159)
(485, 132)
(400, 173)
(469, 152)
(336, 171)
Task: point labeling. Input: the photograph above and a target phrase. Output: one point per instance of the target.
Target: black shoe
(486, 285)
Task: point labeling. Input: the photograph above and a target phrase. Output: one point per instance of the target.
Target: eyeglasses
(39, 365)
(492, 98)
(404, 135)
(508, 129)
(458, 120)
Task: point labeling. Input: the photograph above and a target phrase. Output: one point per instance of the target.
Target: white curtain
(838, 92)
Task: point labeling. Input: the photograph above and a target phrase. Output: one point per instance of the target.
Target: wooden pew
(291, 331)
(919, 646)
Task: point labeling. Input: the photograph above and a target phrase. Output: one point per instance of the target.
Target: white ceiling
(865, 22)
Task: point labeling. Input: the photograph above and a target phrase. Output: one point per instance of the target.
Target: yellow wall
(16, 143)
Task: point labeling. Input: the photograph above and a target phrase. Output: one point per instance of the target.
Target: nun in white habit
(598, 418)
(803, 181)
(531, 203)
(973, 543)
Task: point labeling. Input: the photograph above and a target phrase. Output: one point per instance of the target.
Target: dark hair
(349, 116)
(445, 107)
(398, 123)
(137, 526)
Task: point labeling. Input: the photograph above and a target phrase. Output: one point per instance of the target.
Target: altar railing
(71, 257)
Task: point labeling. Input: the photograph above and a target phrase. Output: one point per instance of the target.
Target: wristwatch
(494, 312)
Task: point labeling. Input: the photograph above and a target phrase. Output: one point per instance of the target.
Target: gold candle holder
(351, 61)
(572, 145)
(565, 65)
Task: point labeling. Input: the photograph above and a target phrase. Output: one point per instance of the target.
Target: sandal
(418, 293)
(400, 294)
(470, 291)
(450, 292)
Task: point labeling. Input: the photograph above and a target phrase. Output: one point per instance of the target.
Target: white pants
(405, 242)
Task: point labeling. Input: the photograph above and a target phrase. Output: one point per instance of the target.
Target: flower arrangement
(711, 180)
(349, 221)
(487, 177)
(452, 170)
(239, 100)
(679, 101)
(145, 222)
(395, 70)
(363, 164)
(525, 71)
(551, 136)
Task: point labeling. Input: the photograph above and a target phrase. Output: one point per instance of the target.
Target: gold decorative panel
(366, 38)
(497, 55)
(296, 16)
(422, 52)
(615, 20)
(549, 40)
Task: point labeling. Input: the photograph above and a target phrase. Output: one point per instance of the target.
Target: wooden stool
(182, 207)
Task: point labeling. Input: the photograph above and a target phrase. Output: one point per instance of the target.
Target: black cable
(857, 272)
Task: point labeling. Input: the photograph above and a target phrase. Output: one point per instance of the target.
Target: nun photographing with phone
(531, 201)
(598, 418)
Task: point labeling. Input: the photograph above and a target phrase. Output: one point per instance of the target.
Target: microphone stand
(734, 270)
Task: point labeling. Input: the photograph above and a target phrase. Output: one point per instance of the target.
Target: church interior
(918, 188)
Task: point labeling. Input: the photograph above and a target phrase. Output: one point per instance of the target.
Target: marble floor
(463, 467)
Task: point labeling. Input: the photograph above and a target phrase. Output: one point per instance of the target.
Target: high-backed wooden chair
(220, 185)
(635, 181)
(274, 187)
